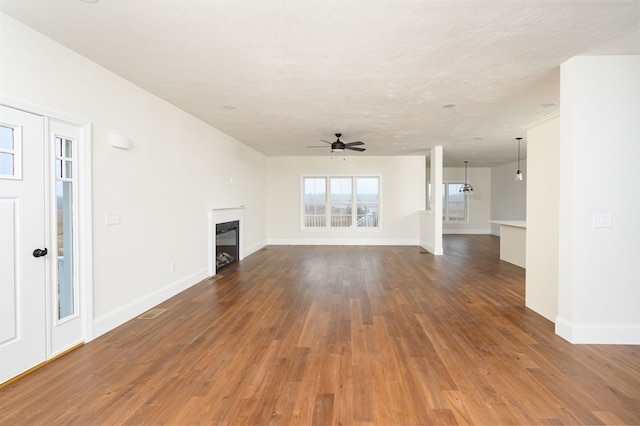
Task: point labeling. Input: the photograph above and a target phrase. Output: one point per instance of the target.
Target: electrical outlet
(172, 267)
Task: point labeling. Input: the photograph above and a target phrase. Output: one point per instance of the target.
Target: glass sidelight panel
(64, 226)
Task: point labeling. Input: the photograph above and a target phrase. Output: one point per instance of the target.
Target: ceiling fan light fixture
(338, 146)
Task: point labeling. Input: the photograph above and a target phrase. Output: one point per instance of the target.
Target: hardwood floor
(340, 335)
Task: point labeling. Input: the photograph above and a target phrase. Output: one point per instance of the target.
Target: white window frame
(354, 204)
(445, 204)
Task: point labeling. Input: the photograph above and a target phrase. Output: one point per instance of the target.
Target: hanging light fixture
(518, 172)
(466, 189)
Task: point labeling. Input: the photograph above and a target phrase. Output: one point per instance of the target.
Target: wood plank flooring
(344, 336)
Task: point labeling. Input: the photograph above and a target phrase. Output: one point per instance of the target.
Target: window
(454, 203)
(315, 202)
(65, 178)
(9, 152)
(368, 202)
(341, 202)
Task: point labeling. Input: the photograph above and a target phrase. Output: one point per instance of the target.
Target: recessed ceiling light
(449, 106)
(549, 104)
(477, 138)
(89, 1)
(228, 107)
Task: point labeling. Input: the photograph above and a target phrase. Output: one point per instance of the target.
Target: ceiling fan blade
(354, 149)
(354, 143)
(322, 140)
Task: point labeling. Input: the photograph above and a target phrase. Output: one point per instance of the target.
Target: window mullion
(327, 195)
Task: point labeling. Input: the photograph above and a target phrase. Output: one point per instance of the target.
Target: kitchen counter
(513, 241)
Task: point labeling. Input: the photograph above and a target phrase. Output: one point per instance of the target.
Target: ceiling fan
(339, 146)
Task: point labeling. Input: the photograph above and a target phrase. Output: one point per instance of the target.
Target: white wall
(402, 196)
(176, 168)
(508, 196)
(479, 202)
(541, 294)
(599, 271)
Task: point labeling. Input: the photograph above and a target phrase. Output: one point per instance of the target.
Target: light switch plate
(113, 218)
(602, 220)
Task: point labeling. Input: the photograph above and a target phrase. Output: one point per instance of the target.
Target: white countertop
(514, 223)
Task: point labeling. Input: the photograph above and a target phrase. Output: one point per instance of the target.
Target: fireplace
(223, 216)
(227, 243)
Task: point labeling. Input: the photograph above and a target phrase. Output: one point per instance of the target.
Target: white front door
(42, 313)
(23, 286)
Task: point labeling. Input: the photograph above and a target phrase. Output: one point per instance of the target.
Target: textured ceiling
(402, 76)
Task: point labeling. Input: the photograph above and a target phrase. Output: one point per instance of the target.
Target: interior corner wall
(508, 196)
(599, 230)
(543, 186)
(402, 196)
(176, 167)
(431, 220)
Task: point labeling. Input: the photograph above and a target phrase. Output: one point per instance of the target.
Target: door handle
(40, 252)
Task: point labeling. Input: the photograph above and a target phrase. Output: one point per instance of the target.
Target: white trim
(341, 242)
(117, 317)
(542, 120)
(428, 247)
(254, 248)
(41, 111)
(85, 229)
(598, 334)
(467, 231)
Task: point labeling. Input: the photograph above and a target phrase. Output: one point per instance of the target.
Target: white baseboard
(117, 317)
(254, 248)
(439, 251)
(598, 334)
(466, 231)
(341, 242)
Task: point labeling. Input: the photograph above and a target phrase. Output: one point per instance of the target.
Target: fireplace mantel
(221, 215)
(226, 208)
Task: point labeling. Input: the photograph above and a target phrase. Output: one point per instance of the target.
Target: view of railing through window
(341, 200)
(368, 198)
(329, 202)
(315, 202)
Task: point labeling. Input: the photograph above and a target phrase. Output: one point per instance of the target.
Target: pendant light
(466, 189)
(518, 172)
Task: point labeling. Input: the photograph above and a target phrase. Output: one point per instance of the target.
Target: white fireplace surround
(222, 215)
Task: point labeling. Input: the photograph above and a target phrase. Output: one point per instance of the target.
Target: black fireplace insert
(227, 243)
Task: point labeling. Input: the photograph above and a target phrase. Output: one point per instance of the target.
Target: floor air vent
(151, 314)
